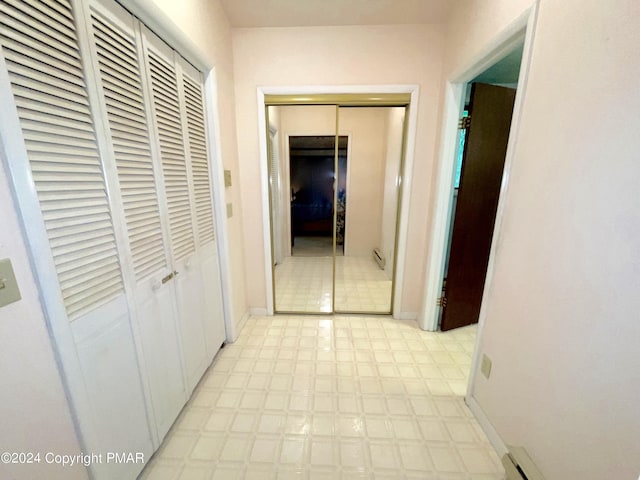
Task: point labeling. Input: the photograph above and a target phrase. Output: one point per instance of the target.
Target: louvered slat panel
(167, 112)
(196, 135)
(41, 50)
(122, 89)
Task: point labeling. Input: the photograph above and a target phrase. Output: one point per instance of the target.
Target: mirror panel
(364, 274)
(334, 211)
(301, 183)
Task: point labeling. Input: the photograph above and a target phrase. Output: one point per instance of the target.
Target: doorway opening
(311, 172)
(484, 134)
(503, 63)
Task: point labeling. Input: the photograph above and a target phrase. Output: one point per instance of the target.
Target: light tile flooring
(314, 247)
(361, 286)
(331, 398)
(303, 284)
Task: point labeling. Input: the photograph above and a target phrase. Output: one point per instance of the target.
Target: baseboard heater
(379, 258)
(519, 466)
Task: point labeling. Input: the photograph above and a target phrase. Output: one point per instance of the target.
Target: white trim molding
(496, 441)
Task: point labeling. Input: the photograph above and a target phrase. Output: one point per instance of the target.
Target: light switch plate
(227, 178)
(229, 210)
(9, 291)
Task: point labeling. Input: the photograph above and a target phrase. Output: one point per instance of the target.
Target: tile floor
(304, 284)
(361, 286)
(341, 397)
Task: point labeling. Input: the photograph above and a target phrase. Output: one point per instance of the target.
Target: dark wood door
(490, 109)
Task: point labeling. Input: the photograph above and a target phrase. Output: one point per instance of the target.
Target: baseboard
(498, 444)
(243, 320)
(406, 316)
(234, 333)
(258, 311)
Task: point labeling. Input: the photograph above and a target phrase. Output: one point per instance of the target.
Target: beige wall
(205, 24)
(33, 407)
(562, 324)
(473, 24)
(365, 164)
(337, 56)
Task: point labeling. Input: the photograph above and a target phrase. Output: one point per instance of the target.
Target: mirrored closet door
(367, 208)
(334, 192)
(302, 145)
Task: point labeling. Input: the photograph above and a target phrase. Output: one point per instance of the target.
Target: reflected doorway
(311, 167)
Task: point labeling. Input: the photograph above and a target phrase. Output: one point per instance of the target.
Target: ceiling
(306, 13)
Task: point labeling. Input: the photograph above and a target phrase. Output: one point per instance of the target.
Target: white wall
(205, 24)
(33, 407)
(338, 56)
(562, 323)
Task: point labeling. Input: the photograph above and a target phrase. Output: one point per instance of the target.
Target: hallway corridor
(322, 397)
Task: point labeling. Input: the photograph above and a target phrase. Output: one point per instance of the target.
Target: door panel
(107, 355)
(369, 200)
(190, 294)
(303, 278)
(491, 108)
(53, 99)
(213, 308)
(127, 107)
(157, 319)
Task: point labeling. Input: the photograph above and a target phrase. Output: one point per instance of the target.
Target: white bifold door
(105, 137)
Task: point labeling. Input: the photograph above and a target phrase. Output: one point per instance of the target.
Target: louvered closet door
(171, 128)
(41, 50)
(194, 120)
(118, 63)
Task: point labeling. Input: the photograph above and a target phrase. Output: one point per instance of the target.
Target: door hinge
(464, 122)
(442, 301)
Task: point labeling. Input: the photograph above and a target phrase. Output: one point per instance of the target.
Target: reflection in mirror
(364, 274)
(301, 178)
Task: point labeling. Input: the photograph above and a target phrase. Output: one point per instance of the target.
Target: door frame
(403, 220)
(454, 101)
(454, 98)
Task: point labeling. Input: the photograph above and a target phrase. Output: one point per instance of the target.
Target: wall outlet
(485, 368)
(227, 178)
(229, 210)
